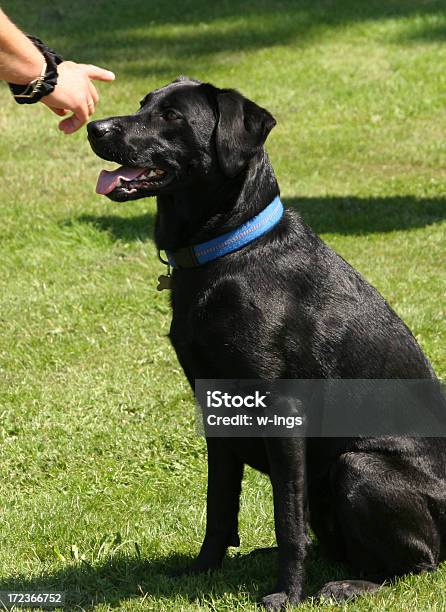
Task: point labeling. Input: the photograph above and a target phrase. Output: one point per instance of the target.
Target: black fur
(286, 306)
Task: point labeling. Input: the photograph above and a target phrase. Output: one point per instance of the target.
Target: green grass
(103, 478)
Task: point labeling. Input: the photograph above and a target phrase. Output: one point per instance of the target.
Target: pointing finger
(98, 74)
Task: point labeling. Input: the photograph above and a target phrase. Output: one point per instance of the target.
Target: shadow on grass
(127, 229)
(349, 215)
(326, 215)
(123, 578)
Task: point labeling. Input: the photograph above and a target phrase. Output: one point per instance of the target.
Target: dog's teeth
(151, 174)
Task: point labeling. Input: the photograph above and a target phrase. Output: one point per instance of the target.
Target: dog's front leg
(287, 471)
(225, 473)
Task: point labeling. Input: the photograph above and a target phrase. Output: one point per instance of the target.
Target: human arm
(20, 61)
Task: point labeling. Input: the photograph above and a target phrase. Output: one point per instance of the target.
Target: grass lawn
(103, 478)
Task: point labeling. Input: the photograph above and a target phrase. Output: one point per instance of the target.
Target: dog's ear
(241, 130)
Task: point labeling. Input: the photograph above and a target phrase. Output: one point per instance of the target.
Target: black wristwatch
(45, 83)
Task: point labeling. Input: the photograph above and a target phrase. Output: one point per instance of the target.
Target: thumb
(99, 74)
(70, 124)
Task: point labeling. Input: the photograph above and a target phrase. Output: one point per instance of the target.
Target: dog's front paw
(279, 601)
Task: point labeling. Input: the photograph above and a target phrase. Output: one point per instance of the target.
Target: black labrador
(284, 307)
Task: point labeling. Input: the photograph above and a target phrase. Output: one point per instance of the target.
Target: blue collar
(190, 257)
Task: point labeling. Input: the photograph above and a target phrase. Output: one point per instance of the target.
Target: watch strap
(44, 84)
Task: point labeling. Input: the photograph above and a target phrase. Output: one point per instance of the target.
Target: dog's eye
(171, 115)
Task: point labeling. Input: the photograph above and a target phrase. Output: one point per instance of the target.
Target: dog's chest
(224, 328)
(200, 330)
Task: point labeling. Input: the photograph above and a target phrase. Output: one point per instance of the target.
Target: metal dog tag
(164, 282)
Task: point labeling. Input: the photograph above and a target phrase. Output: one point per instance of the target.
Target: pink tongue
(107, 181)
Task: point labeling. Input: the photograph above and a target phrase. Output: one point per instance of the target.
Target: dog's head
(181, 134)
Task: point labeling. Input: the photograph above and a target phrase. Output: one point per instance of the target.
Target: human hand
(75, 92)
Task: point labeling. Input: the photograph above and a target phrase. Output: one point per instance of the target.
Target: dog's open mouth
(129, 181)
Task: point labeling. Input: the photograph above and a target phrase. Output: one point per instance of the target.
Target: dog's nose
(98, 129)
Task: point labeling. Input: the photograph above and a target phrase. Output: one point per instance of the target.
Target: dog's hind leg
(343, 590)
(385, 523)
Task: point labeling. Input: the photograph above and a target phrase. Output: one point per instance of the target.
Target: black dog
(283, 307)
